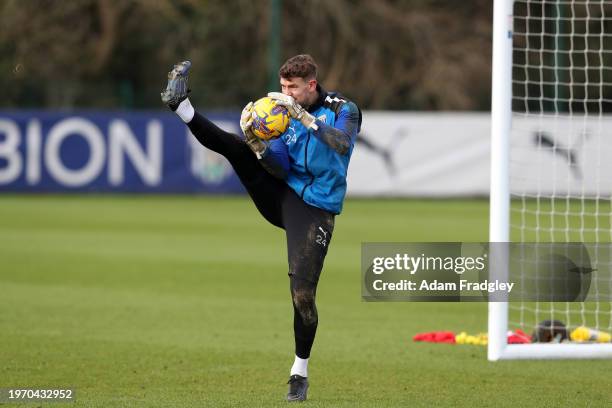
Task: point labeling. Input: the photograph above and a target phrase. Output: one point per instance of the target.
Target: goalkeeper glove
(176, 91)
(295, 109)
(257, 145)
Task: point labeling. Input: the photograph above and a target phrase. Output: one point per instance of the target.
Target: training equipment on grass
(551, 104)
(582, 333)
(550, 331)
(269, 119)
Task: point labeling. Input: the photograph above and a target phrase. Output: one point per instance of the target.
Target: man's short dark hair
(301, 66)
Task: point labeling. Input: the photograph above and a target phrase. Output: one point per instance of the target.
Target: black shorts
(308, 229)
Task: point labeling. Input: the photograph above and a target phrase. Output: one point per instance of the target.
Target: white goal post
(559, 88)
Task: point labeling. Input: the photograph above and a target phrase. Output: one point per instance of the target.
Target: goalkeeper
(297, 181)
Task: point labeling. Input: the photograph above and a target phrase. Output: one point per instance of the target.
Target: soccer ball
(270, 120)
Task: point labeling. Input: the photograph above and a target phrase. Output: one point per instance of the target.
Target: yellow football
(270, 120)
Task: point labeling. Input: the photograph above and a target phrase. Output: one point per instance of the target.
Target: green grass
(184, 302)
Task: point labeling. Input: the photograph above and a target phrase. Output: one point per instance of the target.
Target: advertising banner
(150, 152)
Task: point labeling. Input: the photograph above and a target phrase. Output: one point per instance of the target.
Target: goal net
(558, 98)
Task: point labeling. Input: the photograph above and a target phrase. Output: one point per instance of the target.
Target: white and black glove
(296, 111)
(257, 145)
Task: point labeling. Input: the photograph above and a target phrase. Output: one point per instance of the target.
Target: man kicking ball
(297, 182)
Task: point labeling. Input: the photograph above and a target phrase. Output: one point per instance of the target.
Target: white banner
(448, 155)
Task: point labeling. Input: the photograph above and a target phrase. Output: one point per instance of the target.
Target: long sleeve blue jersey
(317, 161)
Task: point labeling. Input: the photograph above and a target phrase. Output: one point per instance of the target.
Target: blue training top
(317, 171)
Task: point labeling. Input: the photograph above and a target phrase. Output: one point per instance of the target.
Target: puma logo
(322, 239)
(569, 153)
(323, 231)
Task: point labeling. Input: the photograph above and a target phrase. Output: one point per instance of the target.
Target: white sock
(300, 367)
(185, 111)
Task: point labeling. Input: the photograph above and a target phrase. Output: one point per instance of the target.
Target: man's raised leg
(264, 189)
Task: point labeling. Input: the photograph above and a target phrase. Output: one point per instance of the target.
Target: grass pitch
(184, 302)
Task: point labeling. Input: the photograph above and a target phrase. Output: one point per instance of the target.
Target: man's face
(302, 90)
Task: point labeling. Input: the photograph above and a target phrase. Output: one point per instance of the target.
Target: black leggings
(308, 229)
